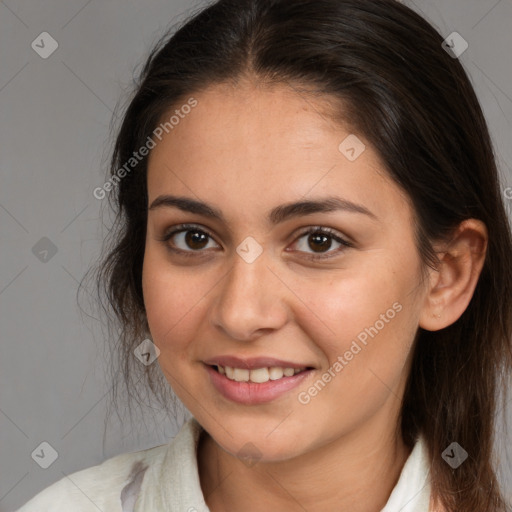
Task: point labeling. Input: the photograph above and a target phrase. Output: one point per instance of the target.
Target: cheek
(369, 314)
(341, 309)
(372, 317)
(172, 299)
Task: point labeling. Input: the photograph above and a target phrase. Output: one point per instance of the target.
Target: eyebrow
(277, 215)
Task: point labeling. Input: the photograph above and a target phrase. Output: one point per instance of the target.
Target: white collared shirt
(166, 479)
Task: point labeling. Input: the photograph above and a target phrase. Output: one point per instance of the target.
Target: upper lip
(252, 363)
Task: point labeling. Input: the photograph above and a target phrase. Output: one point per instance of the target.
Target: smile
(257, 375)
(256, 385)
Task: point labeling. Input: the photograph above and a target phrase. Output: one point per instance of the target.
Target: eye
(190, 240)
(187, 239)
(320, 240)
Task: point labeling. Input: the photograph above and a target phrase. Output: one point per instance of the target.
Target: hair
(395, 84)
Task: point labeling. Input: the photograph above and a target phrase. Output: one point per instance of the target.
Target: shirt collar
(412, 491)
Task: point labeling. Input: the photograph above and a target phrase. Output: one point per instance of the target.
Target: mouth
(258, 375)
(255, 381)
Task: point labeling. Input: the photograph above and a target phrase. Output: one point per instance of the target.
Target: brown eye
(319, 240)
(195, 239)
(187, 240)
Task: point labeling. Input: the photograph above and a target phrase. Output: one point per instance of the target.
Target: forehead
(273, 116)
(265, 145)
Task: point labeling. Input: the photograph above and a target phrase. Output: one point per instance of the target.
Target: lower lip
(251, 393)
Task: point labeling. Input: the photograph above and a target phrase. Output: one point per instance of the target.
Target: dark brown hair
(416, 106)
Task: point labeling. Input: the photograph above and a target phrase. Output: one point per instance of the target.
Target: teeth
(258, 375)
(276, 373)
(240, 374)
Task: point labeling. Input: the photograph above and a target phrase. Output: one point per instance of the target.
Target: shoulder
(98, 487)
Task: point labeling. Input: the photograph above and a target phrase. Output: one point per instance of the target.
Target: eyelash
(313, 229)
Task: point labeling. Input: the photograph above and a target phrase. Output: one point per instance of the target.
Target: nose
(251, 300)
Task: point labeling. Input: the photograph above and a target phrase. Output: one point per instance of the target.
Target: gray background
(55, 142)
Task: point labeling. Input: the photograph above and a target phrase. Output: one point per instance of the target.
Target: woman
(312, 239)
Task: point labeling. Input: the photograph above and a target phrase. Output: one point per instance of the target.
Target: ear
(452, 285)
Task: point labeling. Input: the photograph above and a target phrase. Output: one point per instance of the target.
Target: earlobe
(452, 285)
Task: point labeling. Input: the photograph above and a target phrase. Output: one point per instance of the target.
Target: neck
(356, 472)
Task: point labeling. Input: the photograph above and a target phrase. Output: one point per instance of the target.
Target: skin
(246, 151)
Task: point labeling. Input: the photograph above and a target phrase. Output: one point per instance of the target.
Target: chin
(252, 453)
(257, 444)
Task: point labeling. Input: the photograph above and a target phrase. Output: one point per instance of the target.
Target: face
(332, 290)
